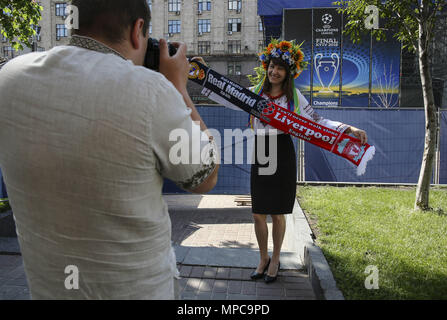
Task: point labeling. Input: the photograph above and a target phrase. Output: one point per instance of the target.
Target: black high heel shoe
(256, 275)
(269, 279)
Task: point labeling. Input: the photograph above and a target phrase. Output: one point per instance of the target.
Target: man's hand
(359, 134)
(175, 68)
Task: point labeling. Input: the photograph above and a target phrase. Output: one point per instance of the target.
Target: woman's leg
(278, 231)
(262, 233)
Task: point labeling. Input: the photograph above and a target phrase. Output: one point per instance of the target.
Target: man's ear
(136, 34)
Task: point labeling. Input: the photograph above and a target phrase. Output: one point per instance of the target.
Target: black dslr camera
(152, 59)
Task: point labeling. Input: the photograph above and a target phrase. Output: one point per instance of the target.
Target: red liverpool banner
(228, 93)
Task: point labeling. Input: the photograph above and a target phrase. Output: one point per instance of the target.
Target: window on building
(174, 5)
(150, 27)
(60, 9)
(204, 5)
(237, 69)
(204, 47)
(4, 39)
(234, 24)
(235, 5)
(234, 46)
(8, 52)
(260, 26)
(204, 25)
(61, 31)
(174, 26)
(234, 68)
(149, 3)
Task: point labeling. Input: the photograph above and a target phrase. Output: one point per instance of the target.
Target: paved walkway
(216, 251)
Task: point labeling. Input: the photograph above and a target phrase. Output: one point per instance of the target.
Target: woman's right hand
(359, 133)
(175, 68)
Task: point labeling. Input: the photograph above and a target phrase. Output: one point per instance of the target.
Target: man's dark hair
(110, 19)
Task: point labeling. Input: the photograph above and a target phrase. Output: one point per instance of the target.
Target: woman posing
(275, 194)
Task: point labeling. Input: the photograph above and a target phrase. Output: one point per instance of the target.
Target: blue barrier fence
(397, 134)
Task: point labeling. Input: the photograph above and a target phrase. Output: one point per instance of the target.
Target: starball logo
(326, 19)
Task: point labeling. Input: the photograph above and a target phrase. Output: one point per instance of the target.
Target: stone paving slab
(227, 257)
(9, 245)
(220, 228)
(232, 284)
(13, 284)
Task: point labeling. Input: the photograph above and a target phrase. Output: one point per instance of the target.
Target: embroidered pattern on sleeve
(317, 118)
(208, 166)
(312, 114)
(2, 62)
(342, 127)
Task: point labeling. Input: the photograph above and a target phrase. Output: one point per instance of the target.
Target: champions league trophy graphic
(329, 67)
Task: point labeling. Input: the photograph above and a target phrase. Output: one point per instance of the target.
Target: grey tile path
(233, 283)
(13, 285)
(216, 252)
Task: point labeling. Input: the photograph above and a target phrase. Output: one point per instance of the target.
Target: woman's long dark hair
(287, 85)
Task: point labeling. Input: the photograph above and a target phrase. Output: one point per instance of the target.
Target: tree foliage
(17, 21)
(401, 16)
(412, 22)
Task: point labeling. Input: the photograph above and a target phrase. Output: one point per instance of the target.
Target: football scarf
(228, 93)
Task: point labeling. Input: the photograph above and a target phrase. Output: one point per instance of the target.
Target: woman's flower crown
(289, 51)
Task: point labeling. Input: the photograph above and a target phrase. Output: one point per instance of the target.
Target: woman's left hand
(361, 134)
(199, 59)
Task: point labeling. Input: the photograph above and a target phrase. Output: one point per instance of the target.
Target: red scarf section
(336, 142)
(224, 91)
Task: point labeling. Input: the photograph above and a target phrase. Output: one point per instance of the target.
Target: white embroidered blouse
(306, 111)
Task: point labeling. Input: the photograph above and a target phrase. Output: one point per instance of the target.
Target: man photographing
(84, 141)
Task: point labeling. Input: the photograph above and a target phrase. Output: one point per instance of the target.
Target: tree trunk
(431, 124)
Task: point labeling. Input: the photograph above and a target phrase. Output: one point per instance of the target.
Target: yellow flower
(299, 56)
(285, 46)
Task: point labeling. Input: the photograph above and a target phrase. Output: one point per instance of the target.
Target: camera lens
(152, 59)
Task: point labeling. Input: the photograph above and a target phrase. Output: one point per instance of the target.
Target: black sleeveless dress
(274, 193)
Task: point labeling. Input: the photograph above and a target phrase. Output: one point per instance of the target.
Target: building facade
(228, 34)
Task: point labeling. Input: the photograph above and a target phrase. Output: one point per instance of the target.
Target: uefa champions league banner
(333, 58)
(326, 60)
(355, 72)
(298, 24)
(385, 73)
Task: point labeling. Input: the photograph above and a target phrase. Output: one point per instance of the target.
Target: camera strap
(230, 94)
